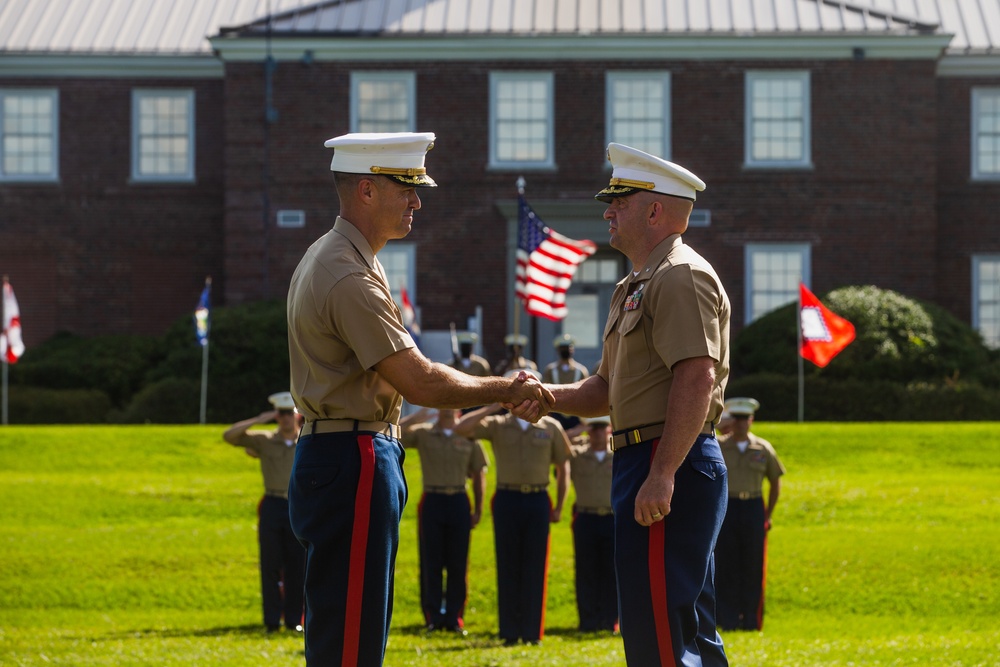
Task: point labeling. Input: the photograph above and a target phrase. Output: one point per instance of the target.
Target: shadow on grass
(249, 630)
(446, 641)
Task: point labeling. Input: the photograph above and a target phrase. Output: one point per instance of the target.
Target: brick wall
(96, 254)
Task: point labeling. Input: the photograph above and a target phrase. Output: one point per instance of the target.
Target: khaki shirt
(445, 460)
(746, 471)
(679, 310)
(560, 372)
(341, 322)
(276, 457)
(591, 478)
(524, 456)
(474, 365)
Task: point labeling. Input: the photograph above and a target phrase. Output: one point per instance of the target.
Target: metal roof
(182, 27)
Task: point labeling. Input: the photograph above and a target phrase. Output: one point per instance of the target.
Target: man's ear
(655, 212)
(366, 189)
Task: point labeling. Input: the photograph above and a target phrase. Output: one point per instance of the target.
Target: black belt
(348, 425)
(599, 511)
(633, 436)
(523, 488)
(446, 490)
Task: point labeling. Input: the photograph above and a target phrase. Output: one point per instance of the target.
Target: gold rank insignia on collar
(633, 299)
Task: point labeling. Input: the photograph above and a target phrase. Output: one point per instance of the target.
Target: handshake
(529, 399)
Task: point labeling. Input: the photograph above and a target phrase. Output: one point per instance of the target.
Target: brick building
(145, 147)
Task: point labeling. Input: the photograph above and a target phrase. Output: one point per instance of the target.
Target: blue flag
(202, 314)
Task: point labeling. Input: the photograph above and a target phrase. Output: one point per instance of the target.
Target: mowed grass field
(137, 546)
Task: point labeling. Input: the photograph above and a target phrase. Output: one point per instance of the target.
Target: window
(163, 135)
(383, 102)
(400, 263)
(638, 111)
(773, 274)
(986, 133)
(29, 133)
(521, 125)
(777, 119)
(986, 298)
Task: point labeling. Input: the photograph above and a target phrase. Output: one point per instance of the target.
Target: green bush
(35, 405)
(899, 339)
(156, 379)
(833, 399)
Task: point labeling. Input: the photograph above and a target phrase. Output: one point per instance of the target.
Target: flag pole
(517, 310)
(3, 315)
(204, 364)
(798, 353)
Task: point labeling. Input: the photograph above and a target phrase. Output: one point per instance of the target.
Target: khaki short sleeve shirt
(591, 479)
(445, 460)
(276, 458)
(524, 456)
(746, 471)
(675, 308)
(341, 322)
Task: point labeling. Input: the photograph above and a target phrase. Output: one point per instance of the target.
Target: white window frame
(408, 79)
(547, 78)
(804, 250)
(753, 77)
(651, 78)
(977, 261)
(408, 251)
(188, 175)
(52, 174)
(978, 94)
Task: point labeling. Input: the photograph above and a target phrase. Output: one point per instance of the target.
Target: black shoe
(510, 642)
(456, 629)
(273, 628)
(294, 628)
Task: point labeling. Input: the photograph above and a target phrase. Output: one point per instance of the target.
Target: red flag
(409, 315)
(11, 345)
(546, 262)
(824, 333)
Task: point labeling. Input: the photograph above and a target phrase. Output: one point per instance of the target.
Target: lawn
(136, 546)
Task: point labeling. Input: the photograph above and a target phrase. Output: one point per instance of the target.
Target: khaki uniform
(282, 559)
(342, 321)
(675, 309)
(594, 541)
(443, 516)
(348, 470)
(740, 554)
(515, 363)
(565, 372)
(474, 365)
(656, 329)
(521, 513)
(276, 456)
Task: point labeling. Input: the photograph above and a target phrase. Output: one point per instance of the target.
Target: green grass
(137, 546)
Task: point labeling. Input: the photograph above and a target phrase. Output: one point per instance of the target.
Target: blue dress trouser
(596, 588)
(282, 564)
(666, 591)
(445, 524)
(521, 534)
(346, 496)
(739, 558)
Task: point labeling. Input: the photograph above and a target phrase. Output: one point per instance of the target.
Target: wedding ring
(657, 515)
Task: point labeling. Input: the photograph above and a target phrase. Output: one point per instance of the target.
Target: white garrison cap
(515, 339)
(282, 401)
(398, 155)
(634, 171)
(742, 406)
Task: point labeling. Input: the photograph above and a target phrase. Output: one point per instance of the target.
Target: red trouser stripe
(359, 548)
(658, 589)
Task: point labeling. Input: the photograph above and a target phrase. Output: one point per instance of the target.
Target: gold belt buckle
(526, 488)
(636, 438)
(743, 495)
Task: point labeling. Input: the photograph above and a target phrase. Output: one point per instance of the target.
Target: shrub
(35, 405)
(899, 339)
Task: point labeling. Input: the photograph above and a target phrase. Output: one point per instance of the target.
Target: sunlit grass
(137, 546)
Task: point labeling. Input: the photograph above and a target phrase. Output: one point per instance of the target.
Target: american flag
(546, 262)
